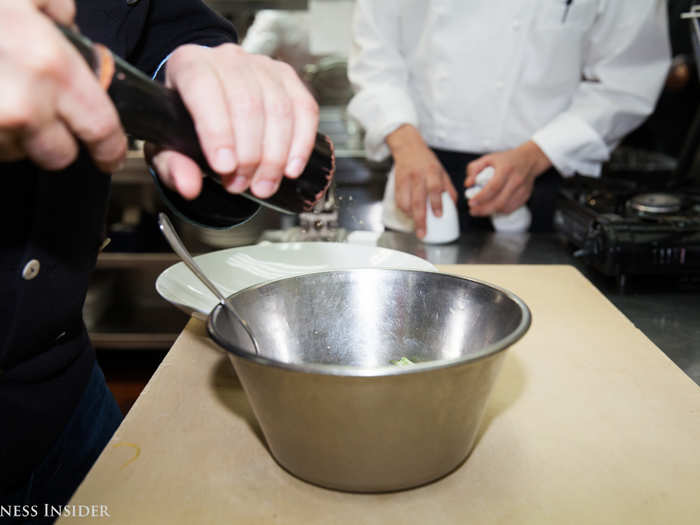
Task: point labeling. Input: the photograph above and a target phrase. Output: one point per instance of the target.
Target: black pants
(541, 203)
(54, 480)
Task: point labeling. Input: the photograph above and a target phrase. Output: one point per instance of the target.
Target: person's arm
(378, 74)
(419, 175)
(170, 24)
(384, 107)
(625, 68)
(255, 120)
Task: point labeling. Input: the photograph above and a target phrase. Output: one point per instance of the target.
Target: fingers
(306, 113)
(177, 172)
(402, 190)
(434, 184)
(277, 134)
(418, 203)
(247, 112)
(195, 77)
(410, 194)
(514, 193)
(88, 112)
(449, 187)
(52, 147)
(62, 11)
(519, 197)
(53, 100)
(475, 167)
(420, 180)
(255, 120)
(492, 189)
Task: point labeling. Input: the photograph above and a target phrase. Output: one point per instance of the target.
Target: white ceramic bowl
(234, 269)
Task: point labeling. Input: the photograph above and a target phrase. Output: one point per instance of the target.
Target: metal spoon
(179, 248)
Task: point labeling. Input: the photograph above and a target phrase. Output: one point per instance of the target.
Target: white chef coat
(281, 34)
(487, 75)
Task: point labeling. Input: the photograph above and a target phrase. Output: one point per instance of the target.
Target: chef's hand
(50, 99)
(511, 185)
(418, 175)
(255, 120)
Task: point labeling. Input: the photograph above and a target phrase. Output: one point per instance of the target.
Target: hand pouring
(152, 112)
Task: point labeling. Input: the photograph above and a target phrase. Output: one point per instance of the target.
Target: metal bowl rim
(388, 370)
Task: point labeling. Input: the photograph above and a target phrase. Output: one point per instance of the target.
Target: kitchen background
(132, 327)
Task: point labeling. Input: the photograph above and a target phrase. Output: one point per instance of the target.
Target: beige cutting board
(589, 423)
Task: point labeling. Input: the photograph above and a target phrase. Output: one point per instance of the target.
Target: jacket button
(31, 270)
(132, 2)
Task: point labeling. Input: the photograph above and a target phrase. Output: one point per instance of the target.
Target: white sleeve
(625, 68)
(263, 35)
(378, 74)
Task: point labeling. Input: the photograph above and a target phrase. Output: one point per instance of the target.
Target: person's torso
(53, 222)
(501, 69)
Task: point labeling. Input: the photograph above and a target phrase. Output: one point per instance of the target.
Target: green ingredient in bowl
(404, 361)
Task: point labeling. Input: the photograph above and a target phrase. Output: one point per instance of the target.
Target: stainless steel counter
(667, 312)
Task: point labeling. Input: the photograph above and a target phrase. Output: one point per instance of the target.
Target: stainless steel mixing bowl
(333, 407)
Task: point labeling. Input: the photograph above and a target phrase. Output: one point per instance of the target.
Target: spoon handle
(176, 244)
(179, 248)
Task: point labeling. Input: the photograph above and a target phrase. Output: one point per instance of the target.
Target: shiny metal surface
(334, 409)
(655, 203)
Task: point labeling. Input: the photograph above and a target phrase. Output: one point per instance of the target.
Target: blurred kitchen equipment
(334, 409)
(149, 111)
(642, 220)
(179, 248)
(202, 239)
(328, 80)
(321, 224)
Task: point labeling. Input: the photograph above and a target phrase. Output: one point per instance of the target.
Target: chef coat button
(516, 25)
(500, 84)
(31, 270)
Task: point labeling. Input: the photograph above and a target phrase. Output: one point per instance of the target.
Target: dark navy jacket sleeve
(148, 32)
(172, 23)
(168, 25)
(53, 224)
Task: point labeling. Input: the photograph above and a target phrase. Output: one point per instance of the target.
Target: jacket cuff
(159, 74)
(572, 146)
(381, 112)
